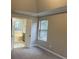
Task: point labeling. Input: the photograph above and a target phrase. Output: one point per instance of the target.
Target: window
(18, 26)
(43, 29)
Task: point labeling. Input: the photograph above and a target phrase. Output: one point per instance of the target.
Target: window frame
(18, 26)
(39, 29)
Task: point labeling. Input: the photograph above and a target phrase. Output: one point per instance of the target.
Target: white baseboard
(60, 56)
(33, 45)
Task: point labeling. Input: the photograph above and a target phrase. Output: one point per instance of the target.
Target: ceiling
(36, 6)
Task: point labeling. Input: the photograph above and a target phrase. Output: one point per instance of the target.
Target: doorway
(18, 32)
(24, 32)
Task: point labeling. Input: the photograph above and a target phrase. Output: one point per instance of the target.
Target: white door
(28, 32)
(33, 32)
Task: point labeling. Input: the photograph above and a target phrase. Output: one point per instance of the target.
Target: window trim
(40, 19)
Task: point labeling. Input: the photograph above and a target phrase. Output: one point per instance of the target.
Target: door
(33, 32)
(28, 32)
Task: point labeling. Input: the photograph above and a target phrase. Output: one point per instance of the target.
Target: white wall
(57, 34)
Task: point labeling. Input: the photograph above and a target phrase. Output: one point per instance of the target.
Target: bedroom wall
(57, 34)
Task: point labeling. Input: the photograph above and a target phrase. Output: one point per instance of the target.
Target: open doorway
(18, 32)
(24, 31)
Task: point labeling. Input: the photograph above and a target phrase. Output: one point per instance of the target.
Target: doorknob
(29, 35)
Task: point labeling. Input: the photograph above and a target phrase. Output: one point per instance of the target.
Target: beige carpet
(19, 44)
(31, 53)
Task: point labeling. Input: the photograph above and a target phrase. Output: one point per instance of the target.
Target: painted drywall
(24, 5)
(44, 5)
(57, 34)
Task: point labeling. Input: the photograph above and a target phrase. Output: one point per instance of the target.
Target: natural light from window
(43, 29)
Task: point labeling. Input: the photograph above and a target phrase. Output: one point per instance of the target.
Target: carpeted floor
(31, 53)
